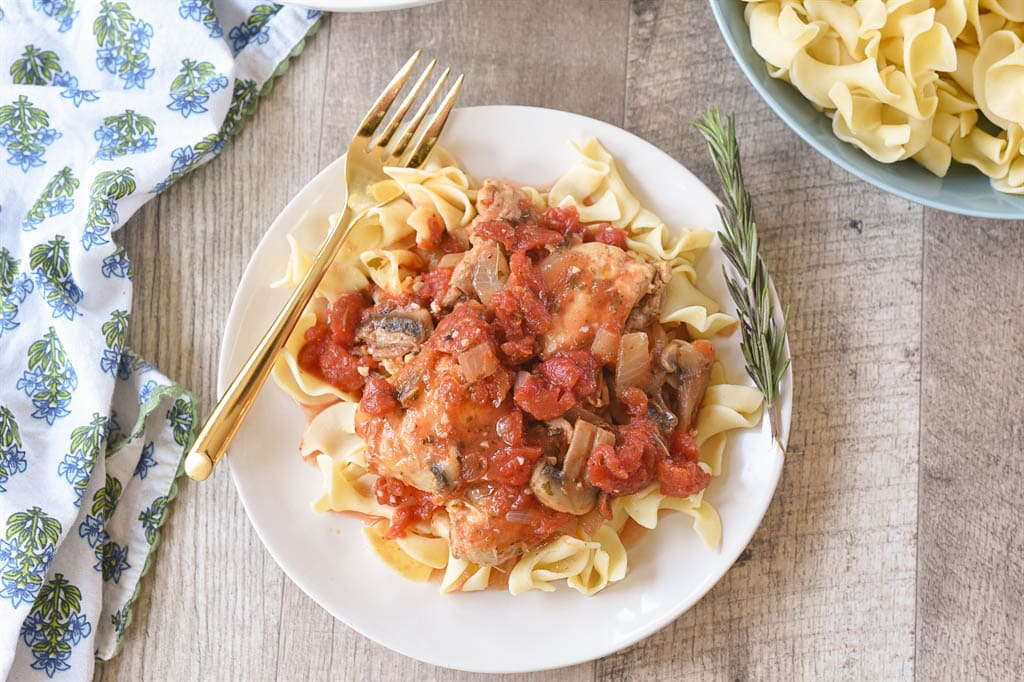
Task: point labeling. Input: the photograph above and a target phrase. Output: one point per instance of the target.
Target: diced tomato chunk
(564, 220)
(680, 474)
(378, 397)
(335, 364)
(343, 318)
(513, 465)
(683, 446)
(529, 237)
(434, 287)
(612, 236)
(631, 464)
(510, 427)
(500, 231)
(635, 401)
(557, 384)
(522, 237)
(462, 328)
(411, 504)
(493, 389)
(682, 479)
(539, 519)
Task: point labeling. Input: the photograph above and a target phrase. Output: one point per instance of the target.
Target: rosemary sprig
(763, 340)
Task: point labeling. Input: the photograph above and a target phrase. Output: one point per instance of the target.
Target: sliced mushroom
(566, 488)
(390, 333)
(408, 381)
(657, 410)
(692, 368)
(559, 428)
(577, 413)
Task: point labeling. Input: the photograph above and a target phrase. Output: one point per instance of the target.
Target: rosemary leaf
(763, 340)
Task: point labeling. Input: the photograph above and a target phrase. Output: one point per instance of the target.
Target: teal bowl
(964, 190)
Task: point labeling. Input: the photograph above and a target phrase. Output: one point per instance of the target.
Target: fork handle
(227, 415)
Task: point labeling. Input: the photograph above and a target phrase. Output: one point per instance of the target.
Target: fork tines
(404, 153)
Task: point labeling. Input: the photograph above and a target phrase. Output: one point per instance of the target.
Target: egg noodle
(591, 558)
(936, 81)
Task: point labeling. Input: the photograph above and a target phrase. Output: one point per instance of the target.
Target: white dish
(489, 631)
(358, 5)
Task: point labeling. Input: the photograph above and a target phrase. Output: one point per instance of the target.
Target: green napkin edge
(174, 391)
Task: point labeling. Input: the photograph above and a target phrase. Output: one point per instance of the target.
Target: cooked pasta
(546, 477)
(936, 82)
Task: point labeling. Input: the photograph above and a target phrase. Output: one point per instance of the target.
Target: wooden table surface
(894, 547)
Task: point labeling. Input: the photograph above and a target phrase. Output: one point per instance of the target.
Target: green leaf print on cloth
(102, 104)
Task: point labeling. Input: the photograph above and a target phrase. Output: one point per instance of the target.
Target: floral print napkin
(103, 105)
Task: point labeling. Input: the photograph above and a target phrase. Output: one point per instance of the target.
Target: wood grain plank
(565, 55)
(971, 573)
(210, 607)
(825, 589)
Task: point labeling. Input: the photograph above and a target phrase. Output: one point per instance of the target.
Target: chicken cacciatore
(520, 381)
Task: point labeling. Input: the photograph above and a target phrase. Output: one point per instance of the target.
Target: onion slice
(478, 362)
(490, 272)
(450, 260)
(606, 345)
(633, 367)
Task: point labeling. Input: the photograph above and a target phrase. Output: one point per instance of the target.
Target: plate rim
(229, 341)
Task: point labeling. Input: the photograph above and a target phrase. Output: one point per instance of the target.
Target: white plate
(357, 5)
(490, 631)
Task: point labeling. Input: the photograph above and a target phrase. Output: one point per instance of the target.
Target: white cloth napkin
(102, 105)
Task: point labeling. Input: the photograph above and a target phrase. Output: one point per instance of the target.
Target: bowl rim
(780, 111)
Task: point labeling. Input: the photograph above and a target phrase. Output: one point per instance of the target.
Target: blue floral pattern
(102, 98)
(49, 379)
(117, 265)
(25, 553)
(203, 12)
(61, 11)
(188, 158)
(119, 620)
(152, 518)
(12, 456)
(146, 460)
(26, 133)
(127, 133)
(123, 44)
(254, 30)
(14, 289)
(191, 89)
(111, 558)
(114, 331)
(107, 189)
(57, 199)
(181, 417)
(55, 625)
(52, 268)
(86, 444)
(36, 66)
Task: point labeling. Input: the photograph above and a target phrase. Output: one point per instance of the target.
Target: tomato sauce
(499, 451)
(558, 384)
(411, 504)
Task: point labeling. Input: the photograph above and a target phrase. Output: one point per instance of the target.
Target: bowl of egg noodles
(923, 98)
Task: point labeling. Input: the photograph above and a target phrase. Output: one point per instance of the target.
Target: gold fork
(364, 166)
